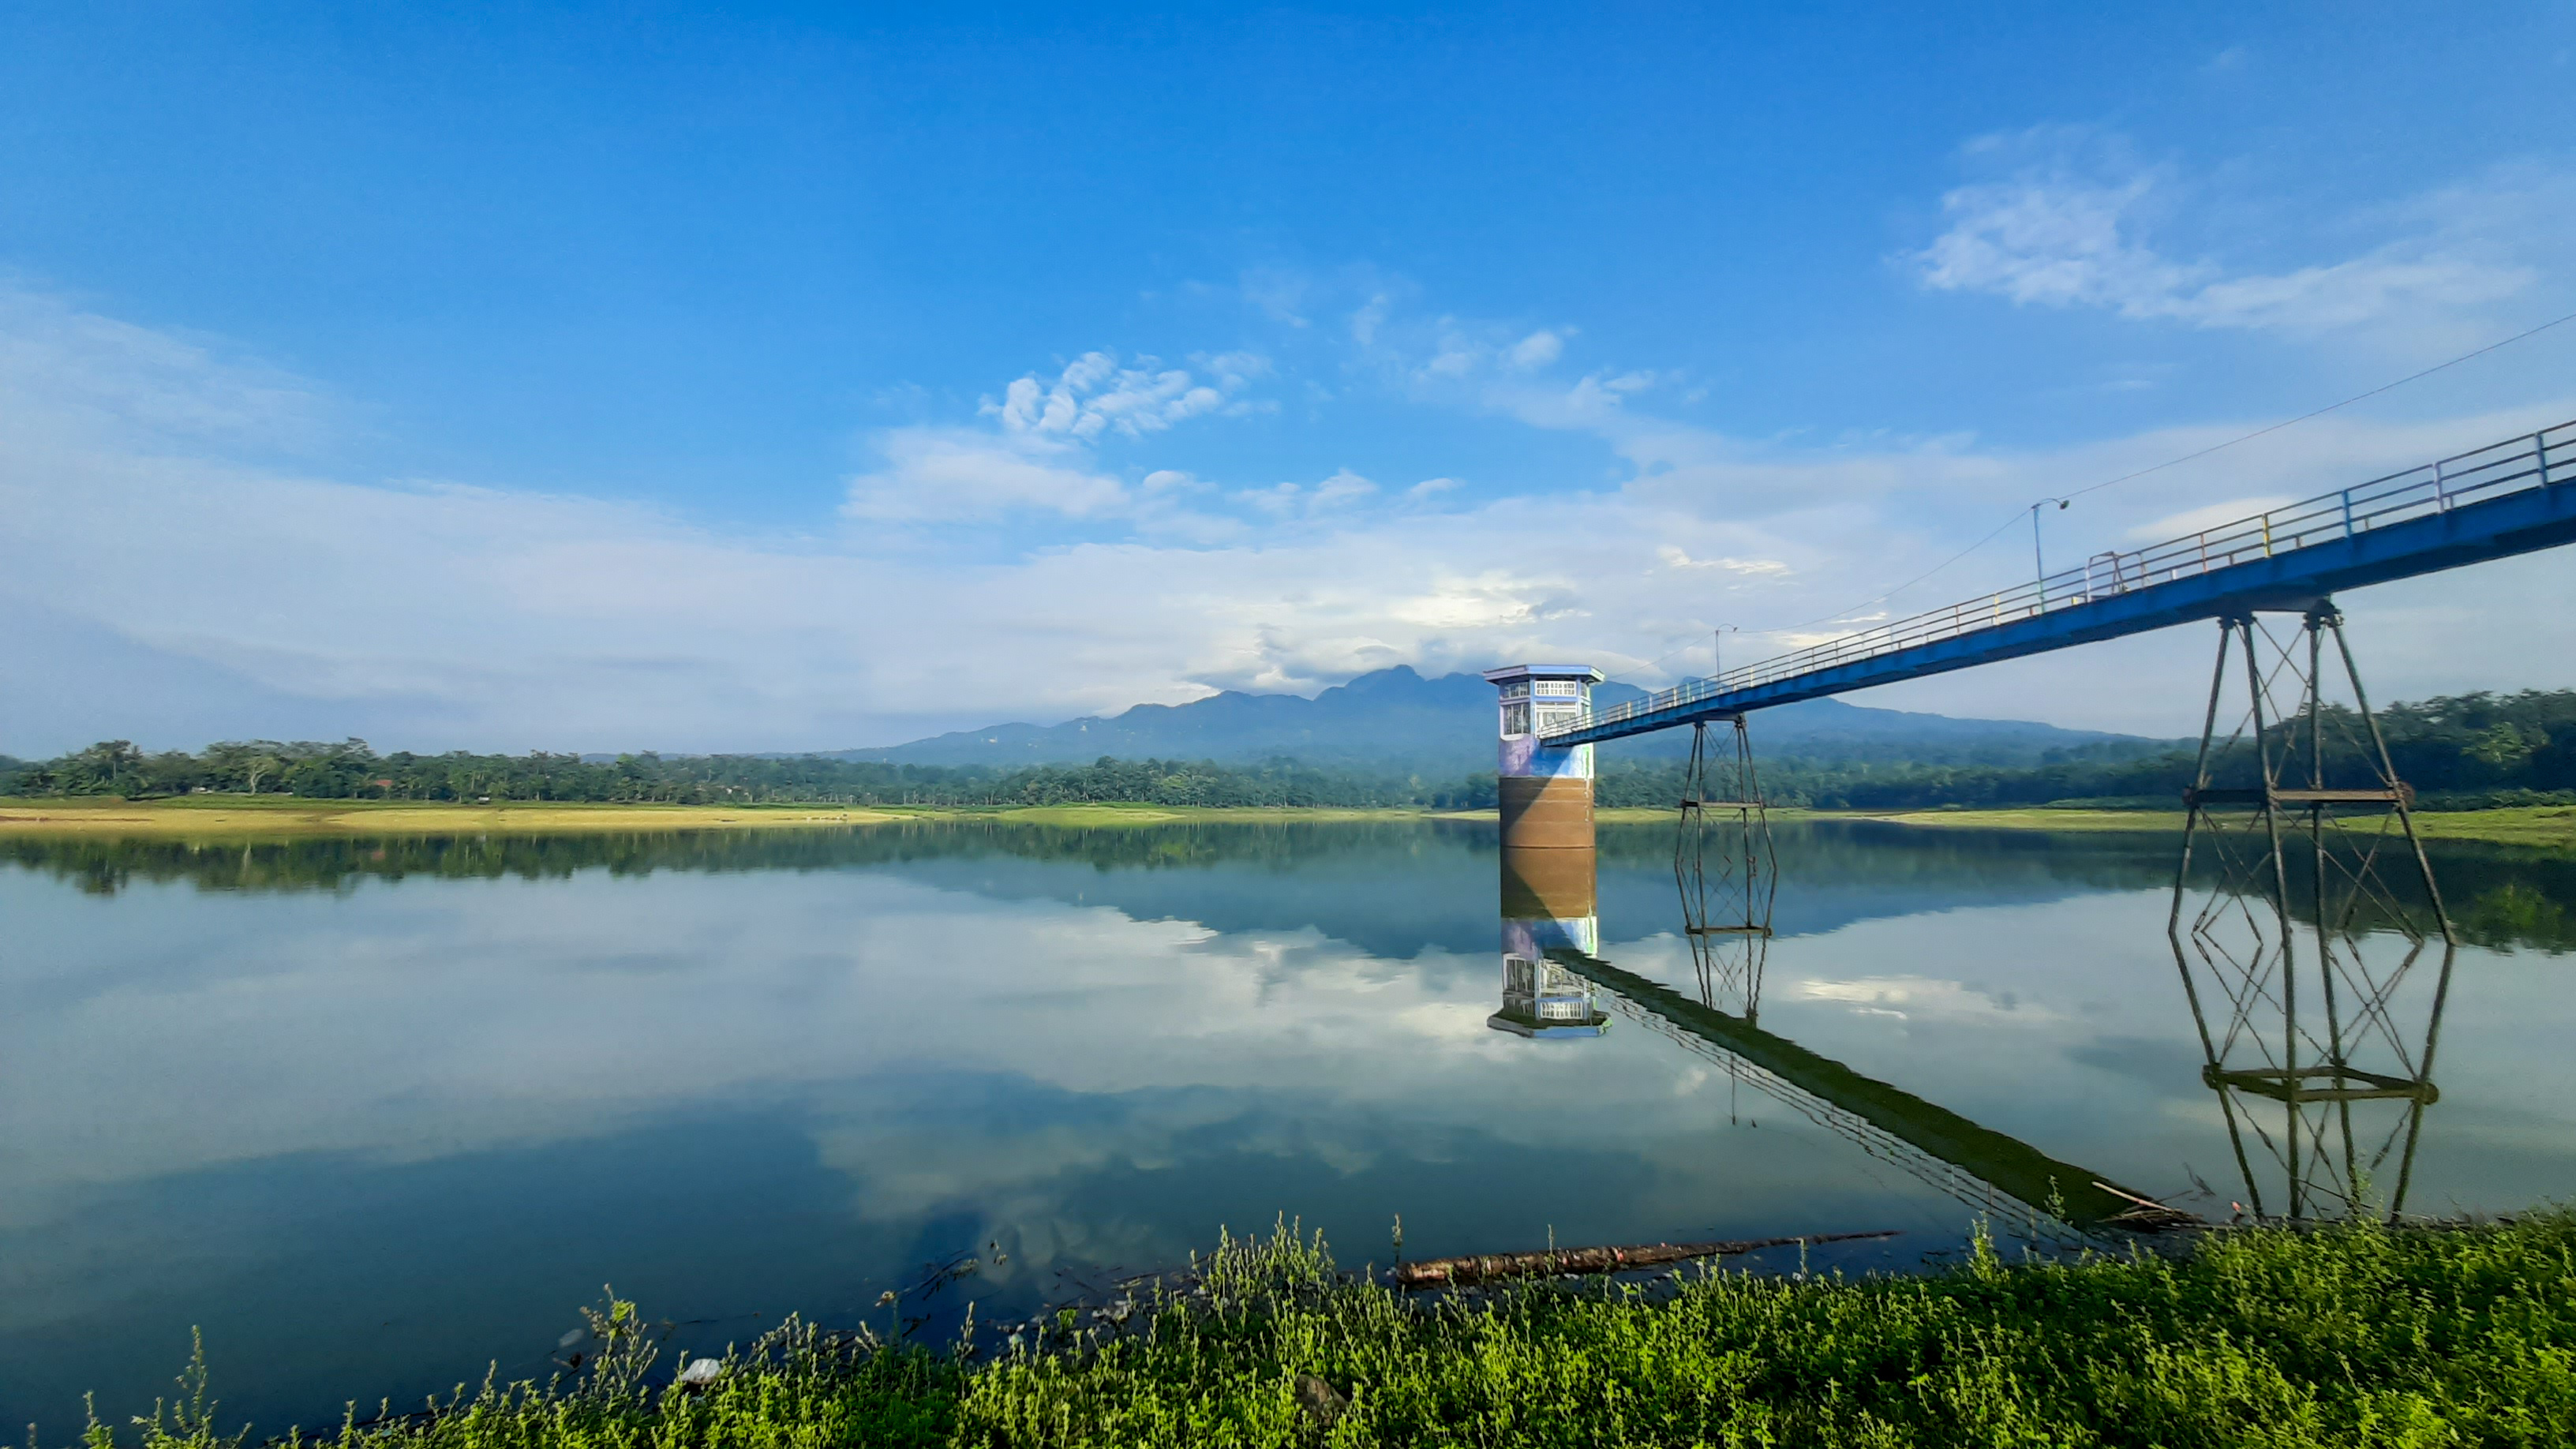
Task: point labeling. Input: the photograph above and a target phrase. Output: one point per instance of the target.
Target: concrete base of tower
(1544, 812)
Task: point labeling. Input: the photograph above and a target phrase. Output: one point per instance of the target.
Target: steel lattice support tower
(2300, 941)
(1724, 863)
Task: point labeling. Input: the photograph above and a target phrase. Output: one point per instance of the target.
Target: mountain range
(1396, 719)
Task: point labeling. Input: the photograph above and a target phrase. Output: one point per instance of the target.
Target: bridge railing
(2530, 460)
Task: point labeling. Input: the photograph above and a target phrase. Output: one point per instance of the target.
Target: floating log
(1557, 1262)
(2149, 1216)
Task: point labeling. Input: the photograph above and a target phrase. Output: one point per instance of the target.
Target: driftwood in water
(2149, 1216)
(1554, 1262)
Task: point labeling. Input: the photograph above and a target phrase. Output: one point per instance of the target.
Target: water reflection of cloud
(2148, 1061)
(1927, 997)
(438, 1019)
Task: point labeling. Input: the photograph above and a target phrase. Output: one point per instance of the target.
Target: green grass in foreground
(2348, 1336)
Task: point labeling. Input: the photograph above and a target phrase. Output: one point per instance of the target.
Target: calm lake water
(377, 1113)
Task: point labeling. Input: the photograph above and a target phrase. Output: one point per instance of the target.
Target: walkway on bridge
(2516, 496)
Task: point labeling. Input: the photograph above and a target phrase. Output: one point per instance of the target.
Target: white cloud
(2053, 241)
(74, 373)
(1675, 558)
(1094, 394)
(1233, 371)
(1370, 316)
(953, 474)
(2209, 515)
(2070, 231)
(436, 615)
(1039, 459)
(1536, 350)
(1285, 500)
(1928, 998)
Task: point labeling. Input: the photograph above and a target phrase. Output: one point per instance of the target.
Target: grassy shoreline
(2352, 1335)
(245, 817)
(237, 816)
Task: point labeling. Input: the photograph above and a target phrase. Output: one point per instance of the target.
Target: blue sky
(773, 378)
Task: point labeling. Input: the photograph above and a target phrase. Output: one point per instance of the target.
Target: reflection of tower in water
(1548, 911)
(1548, 877)
(2314, 949)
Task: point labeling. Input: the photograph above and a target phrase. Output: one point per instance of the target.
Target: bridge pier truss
(1727, 870)
(2304, 935)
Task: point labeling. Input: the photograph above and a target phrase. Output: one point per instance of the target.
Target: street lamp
(2038, 562)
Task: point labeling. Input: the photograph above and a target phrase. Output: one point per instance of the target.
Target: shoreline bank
(2550, 827)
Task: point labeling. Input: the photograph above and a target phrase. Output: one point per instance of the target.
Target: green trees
(2463, 750)
(351, 770)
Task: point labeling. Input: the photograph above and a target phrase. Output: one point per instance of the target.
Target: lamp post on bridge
(2037, 561)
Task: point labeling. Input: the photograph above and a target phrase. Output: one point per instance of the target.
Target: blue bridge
(2512, 497)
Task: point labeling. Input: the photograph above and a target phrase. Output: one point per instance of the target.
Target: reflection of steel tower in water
(1723, 864)
(2302, 959)
(1548, 861)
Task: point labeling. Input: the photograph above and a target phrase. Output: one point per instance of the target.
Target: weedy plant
(2342, 1336)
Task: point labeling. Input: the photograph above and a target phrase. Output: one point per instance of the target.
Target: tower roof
(1584, 672)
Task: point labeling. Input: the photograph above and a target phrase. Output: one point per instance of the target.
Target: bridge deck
(2512, 497)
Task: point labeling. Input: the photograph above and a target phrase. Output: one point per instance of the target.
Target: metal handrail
(2428, 489)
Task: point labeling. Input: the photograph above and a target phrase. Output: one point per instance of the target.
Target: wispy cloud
(1675, 558)
(2073, 224)
(951, 475)
(78, 374)
(1094, 394)
(1283, 500)
(1036, 452)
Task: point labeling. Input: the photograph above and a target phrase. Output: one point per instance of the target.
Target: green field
(2346, 1336)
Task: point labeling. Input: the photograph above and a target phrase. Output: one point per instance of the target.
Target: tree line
(2458, 750)
(351, 770)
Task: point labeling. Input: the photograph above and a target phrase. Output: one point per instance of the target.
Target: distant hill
(1397, 720)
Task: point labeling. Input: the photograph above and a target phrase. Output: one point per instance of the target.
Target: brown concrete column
(1546, 811)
